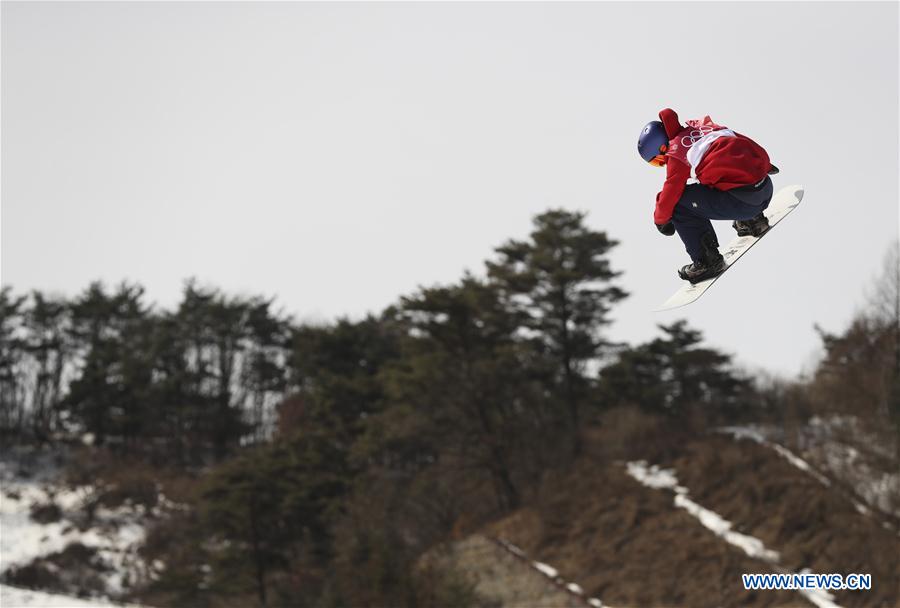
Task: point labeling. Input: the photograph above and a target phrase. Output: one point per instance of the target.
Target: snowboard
(784, 201)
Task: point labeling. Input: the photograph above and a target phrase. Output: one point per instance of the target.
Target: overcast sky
(339, 155)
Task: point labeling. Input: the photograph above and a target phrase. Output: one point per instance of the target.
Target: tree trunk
(257, 556)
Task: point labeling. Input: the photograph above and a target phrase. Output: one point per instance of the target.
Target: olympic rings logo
(694, 136)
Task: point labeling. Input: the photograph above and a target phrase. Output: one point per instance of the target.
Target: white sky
(339, 155)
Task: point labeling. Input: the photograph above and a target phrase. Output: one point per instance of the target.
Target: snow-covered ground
(823, 442)
(837, 444)
(657, 478)
(13, 597)
(112, 536)
(758, 434)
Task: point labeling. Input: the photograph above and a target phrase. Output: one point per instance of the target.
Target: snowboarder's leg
(695, 208)
(758, 196)
(709, 264)
(700, 203)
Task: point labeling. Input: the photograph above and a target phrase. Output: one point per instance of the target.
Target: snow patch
(818, 597)
(547, 570)
(14, 597)
(657, 478)
(550, 572)
(745, 432)
(512, 548)
(755, 434)
(751, 545)
(820, 441)
(114, 534)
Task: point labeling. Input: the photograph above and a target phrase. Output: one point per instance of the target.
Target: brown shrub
(76, 570)
(120, 479)
(46, 513)
(628, 433)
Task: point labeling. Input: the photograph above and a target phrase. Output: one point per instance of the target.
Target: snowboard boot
(710, 264)
(756, 226)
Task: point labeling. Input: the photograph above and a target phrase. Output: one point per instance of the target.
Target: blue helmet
(653, 141)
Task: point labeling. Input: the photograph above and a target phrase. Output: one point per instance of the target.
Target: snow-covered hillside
(635, 532)
(836, 448)
(62, 539)
(655, 477)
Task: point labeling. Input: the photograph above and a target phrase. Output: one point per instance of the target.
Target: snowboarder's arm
(670, 122)
(677, 174)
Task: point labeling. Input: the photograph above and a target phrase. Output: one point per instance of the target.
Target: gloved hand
(667, 229)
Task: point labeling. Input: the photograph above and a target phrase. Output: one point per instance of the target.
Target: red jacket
(721, 159)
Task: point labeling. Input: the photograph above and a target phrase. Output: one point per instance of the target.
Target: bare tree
(885, 310)
(884, 296)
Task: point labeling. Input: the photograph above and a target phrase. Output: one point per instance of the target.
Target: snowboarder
(732, 172)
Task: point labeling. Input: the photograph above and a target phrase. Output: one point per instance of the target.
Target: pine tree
(214, 328)
(672, 373)
(12, 352)
(174, 405)
(335, 368)
(563, 280)
(109, 332)
(264, 363)
(47, 322)
(268, 508)
(465, 377)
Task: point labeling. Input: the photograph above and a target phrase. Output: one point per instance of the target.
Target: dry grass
(119, 479)
(811, 525)
(630, 546)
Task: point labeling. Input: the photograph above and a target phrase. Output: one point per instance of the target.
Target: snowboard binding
(710, 264)
(756, 226)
